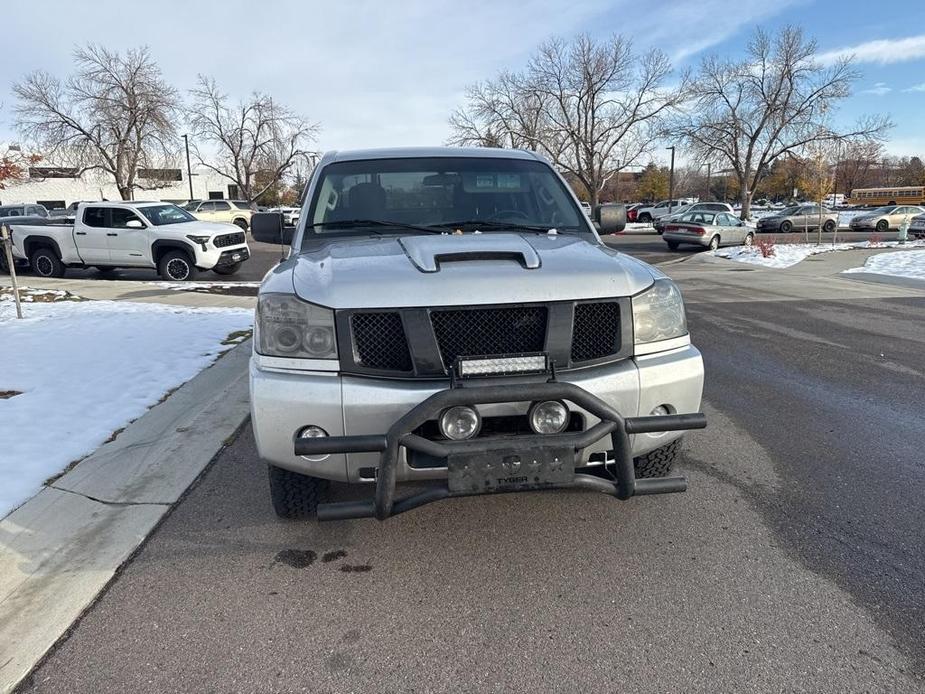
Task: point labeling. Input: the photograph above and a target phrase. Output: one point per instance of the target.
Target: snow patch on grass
(81, 370)
(902, 264)
(789, 254)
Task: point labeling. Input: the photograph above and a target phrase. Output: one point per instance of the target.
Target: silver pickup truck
(450, 317)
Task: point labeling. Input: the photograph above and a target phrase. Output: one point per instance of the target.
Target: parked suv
(450, 316)
(694, 207)
(797, 217)
(883, 219)
(24, 210)
(231, 211)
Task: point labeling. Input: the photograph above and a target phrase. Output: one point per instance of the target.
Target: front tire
(176, 266)
(657, 463)
(645, 218)
(241, 223)
(294, 495)
(227, 269)
(829, 226)
(786, 227)
(46, 263)
(883, 226)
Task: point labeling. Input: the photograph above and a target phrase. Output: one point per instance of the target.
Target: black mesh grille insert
(489, 331)
(380, 342)
(228, 240)
(597, 331)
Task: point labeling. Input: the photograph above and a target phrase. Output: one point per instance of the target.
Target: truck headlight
(289, 327)
(658, 313)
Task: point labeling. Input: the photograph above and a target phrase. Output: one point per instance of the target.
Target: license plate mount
(510, 470)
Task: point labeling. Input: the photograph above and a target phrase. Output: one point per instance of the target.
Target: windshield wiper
(346, 223)
(491, 224)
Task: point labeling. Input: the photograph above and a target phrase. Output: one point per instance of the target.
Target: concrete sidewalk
(145, 292)
(62, 547)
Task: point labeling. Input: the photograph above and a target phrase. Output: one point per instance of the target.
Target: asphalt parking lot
(793, 563)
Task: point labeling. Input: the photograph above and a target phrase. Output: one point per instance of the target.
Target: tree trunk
(125, 192)
(745, 199)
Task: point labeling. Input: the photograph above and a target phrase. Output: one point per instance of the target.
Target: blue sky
(389, 73)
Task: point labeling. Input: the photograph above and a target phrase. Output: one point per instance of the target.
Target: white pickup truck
(109, 235)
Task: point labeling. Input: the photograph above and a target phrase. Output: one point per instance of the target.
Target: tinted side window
(222, 206)
(206, 207)
(95, 216)
(120, 217)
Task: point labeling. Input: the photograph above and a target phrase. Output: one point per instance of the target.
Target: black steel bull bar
(624, 486)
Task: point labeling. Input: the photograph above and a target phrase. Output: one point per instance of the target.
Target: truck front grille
(487, 331)
(596, 331)
(229, 239)
(379, 341)
(420, 342)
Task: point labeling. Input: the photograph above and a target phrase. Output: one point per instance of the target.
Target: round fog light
(460, 423)
(548, 417)
(313, 432)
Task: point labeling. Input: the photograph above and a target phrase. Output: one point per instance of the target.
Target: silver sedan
(885, 218)
(708, 229)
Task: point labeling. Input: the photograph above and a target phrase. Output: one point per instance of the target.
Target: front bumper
(501, 464)
(284, 400)
(221, 257)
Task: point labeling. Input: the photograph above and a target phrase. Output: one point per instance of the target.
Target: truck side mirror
(610, 218)
(134, 224)
(268, 227)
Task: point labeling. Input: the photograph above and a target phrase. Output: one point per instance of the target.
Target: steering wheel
(509, 216)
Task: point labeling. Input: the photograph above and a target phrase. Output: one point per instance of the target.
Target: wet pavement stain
(356, 568)
(333, 556)
(296, 558)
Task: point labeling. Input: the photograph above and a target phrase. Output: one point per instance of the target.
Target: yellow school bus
(893, 195)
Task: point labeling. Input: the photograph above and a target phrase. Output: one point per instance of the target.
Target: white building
(57, 187)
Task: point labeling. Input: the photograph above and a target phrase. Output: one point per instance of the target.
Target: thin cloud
(879, 89)
(880, 51)
(915, 88)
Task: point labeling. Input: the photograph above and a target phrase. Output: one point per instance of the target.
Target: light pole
(671, 181)
(189, 173)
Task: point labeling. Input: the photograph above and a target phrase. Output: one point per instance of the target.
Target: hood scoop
(428, 252)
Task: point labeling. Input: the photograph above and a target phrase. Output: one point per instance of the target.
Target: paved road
(793, 563)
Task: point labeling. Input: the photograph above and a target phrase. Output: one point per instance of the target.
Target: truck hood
(458, 270)
(201, 228)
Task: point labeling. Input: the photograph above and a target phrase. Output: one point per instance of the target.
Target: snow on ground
(787, 254)
(74, 372)
(200, 286)
(900, 264)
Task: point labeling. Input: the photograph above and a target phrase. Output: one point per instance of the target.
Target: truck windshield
(440, 193)
(159, 215)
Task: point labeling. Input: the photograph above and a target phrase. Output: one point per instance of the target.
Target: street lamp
(189, 174)
(671, 180)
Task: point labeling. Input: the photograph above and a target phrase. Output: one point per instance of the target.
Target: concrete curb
(63, 546)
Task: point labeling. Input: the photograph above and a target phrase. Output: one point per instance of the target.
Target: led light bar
(501, 366)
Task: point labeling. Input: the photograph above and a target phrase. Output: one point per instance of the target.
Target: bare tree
(592, 107)
(777, 100)
(258, 141)
(115, 114)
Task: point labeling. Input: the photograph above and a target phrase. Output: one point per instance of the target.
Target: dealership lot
(792, 558)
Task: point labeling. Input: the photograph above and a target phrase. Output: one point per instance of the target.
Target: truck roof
(415, 152)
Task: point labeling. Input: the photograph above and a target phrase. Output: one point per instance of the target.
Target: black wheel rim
(178, 269)
(44, 266)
